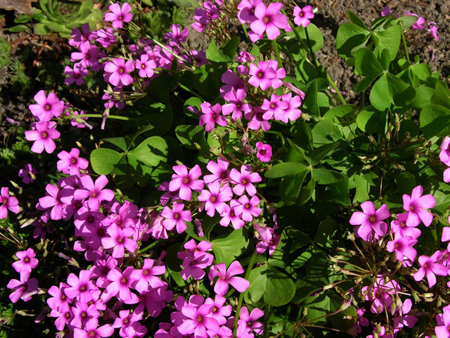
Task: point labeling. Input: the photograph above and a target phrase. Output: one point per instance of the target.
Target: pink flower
(399, 227)
(291, 112)
(184, 181)
(59, 300)
(370, 220)
(71, 163)
(415, 205)
(269, 20)
(257, 121)
(176, 217)
(147, 275)
(403, 247)
(91, 329)
(80, 287)
(26, 263)
(226, 277)
(268, 239)
(75, 74)
(46, 107)
(120, 285)
(176, 35)
(429, 267)
(219, 171)
(119, 240)
(117, 71)
(219, 311)
(94, 191)
(229, 215)
(43, 137)
(119, 15)
(248, 208)
(145, 66)
(244, 180)
(443, 321)
(80, 37)
(27, 174)
(247, 10)
(419, 24)
(87, 57)
(263, 152)
(236, 106)
(262, 75)
(247, 324)
(446, 234)
(106, 37)
(22, 289)
(433, 30)
(380, 293)
(275, 108)
(198, 320)
(8, 203)
(215, 198)
(444, 155)
(302, 15)
(211, 116)
(125, 320)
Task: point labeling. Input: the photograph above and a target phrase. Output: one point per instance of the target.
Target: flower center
(213, 198)
(244, 181)
(260, 75)
(411, 207)
(176, 215)
(262, 151)
(142, 66)
(92, 334)
(123, 280)
(301, 14)
(145, 272)
(372, 219)
(90, 219)
(73, 160)
(26, 259)
(402, 224)
(199, 319)
(120, 17)
(121, 70)
(266, 19)
(272, 105)
(83, 314)
(238, 106)
(119, 239)
(214, 309)
(125, 321)
(44, 134)
(186, 180)
(48, 107)
(83, 288)
(247, 206)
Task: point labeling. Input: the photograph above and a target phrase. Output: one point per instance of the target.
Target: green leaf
(326, 176)
(423, 97)
(390, 89)
(385, 59)
(350, 38)
(225, 54)
(364, 83)
(22, 18)
(356, 20)
(388, 39)
(405, 181)
(307, 192)
(370, 120)
(41, 29)
(315, 36)
(441, 96)
(325, 132)
(367, 64)
(266, 282)
(405, 21)
(18, 29)
(340, 192)
(311, 102)
(362, 189)
(150, 152)
(346, 110)
(319, 153)
(327, 231)
(422, 71)
(227, 249)
(103, 160)
(290, 187)
(188, 135)
(435, 121)
(285, 169)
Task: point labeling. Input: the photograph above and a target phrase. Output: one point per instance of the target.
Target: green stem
(150, 246)
(241, 296)
(405, 46)
(245, 31)
(114, 117)
(190, 91)
(277, 53)
(316, 63)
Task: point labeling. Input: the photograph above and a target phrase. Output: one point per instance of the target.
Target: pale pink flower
(71, 163)
(211, 115)
(176, 217)
(183, 181)
(8, 202)
(302, 15)
(269, 19)
(215, 198)
(43, 136)
(117, 72)
(227, 277)
(415, 205)
(46, 107)
(369, 220)
(248, 208)
(429, 267)
(119, 15)
(244, 180)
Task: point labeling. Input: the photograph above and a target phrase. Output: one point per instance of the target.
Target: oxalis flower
(370, 219)
(43, 137)
(302, 15)
(226, 277)
(429, 267)
(119, 15)
(415, 205)
(269, 20)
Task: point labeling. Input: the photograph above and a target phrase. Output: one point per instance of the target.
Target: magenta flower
(87, 57)
(71, 163)
(399, 226)
(433, 30)
(120, 285)
(244, 180)
(263, 152)
(275, 108)
(117, 71)
(80, 287)
(94, 192)
(380, 293)
(247, 323)
(226, 277)
(429, 267)
(82, 313)
(8, 203)
(415, 205)
(147, 275)
(247, 10)
(446, 234)
(403, 319)
(262, 75)
(28, 174)
(59, 300)
(443, 321)
(211, 115)
(369, 220)
(91, 329)
(229, 215)
(291, 112)
(232, 82)
(219, 311)
(47, 107)
(75, 74)
(268, 239)
(184, 181)
(198, 321)
(53, 201)
(125, 320)
(215, 198)
(43, 137)
(444, 155)
(176, 217)
(119, 240)
(219, 171)
(26, 263)
(176, 35)
(22, 289)
(236, 106)
(248, 208)
(145, 66)
(119, 15)
(257, 121)
(78, 37)
(269, 20)
(403, 247)
(106, 37)
(302, 15)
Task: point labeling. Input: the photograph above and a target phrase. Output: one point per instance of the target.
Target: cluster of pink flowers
(207, 12)
(8, 202)
(26, 287)
(420, 24)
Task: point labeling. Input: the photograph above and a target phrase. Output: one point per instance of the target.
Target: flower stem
(405, 46)
(171, 52)
(241, 296)
(277, 53)
(114, 117)
(150, 246)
